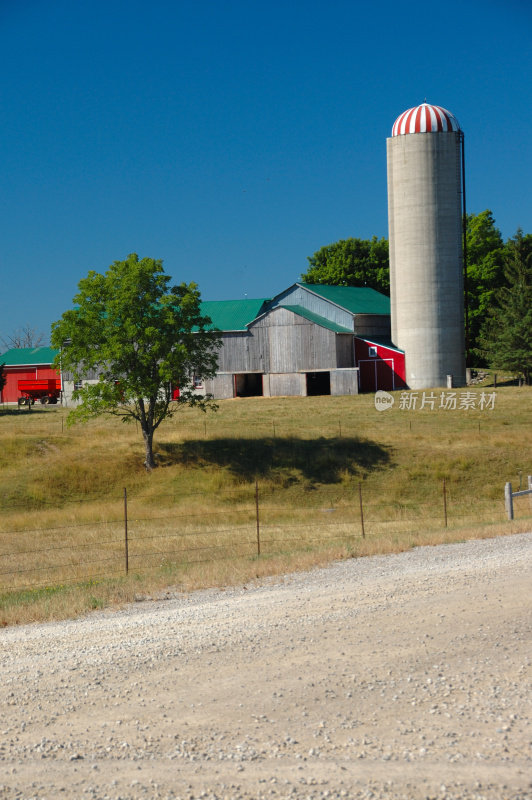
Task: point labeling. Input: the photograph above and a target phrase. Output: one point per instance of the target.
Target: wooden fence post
(257, 515)
(125, 531)
(508, 500)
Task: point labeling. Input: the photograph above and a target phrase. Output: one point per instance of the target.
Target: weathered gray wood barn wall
(299, 333)
(283, 347)
(290, 343)
(299, 295)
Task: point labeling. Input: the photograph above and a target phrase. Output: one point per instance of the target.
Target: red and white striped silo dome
(425, 119)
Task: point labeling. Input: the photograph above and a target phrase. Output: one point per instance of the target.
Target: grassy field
(193, 521)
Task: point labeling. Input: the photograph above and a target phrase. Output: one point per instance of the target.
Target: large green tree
(142, 337)
(365, 262)
(506, 336)
(351, 262)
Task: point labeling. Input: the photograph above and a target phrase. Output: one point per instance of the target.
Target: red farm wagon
(47, 390)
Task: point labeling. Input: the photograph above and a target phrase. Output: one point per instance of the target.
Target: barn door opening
(318, 383)
(248, 384)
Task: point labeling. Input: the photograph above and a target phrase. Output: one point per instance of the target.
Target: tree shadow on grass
(315, 460)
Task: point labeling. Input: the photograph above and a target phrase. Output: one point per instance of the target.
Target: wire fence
(52, 421)
(172, 533)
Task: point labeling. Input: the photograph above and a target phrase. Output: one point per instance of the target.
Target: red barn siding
(385, 371)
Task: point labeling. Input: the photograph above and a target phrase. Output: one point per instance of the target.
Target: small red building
(381, 365)
(26, 364)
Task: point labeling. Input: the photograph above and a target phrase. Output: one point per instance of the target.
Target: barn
(27, 365)
(310, 339)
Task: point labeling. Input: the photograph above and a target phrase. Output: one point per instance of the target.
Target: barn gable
(293, 339)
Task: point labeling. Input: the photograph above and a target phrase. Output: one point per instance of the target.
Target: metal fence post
(508, 500)
(444, 503)
(257, 515)
(361, 510)
(125, 531)
(530, 490)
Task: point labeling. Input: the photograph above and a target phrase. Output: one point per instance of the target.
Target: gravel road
(403, 676)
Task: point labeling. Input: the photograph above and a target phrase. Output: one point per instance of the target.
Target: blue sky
(234, 138)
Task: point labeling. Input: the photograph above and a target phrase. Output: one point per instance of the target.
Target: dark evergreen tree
(506, 337)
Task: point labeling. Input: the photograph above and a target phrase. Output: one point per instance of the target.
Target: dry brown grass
(62, 601)
(192, 522)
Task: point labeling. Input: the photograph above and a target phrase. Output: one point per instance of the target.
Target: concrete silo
(425, 162)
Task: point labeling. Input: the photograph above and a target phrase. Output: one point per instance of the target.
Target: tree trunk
(148, 443)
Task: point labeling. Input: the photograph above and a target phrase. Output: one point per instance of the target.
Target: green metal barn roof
(232, 315)
(356, 299)
(312, 317)
(28, 356)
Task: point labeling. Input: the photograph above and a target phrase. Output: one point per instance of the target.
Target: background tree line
(23, 337)
(499, 287)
